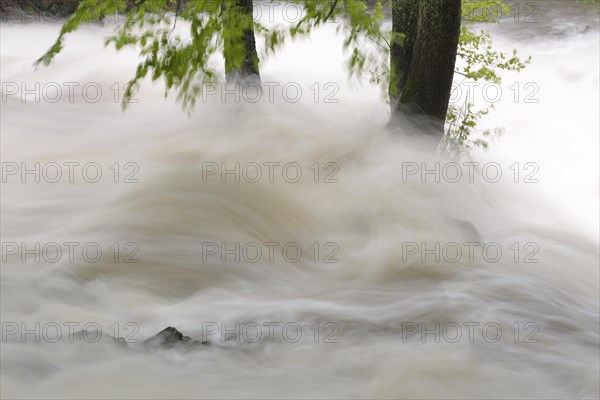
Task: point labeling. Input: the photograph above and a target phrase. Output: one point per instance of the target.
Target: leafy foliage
(460, 123)
(183, 63)
(479, 62)
(215, 27)
(218, 26)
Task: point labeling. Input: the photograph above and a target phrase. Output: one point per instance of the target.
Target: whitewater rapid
(364, 209)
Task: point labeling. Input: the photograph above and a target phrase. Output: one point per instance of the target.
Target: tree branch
(176, 15)
(331, 11)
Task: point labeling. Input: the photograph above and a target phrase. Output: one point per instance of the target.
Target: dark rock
(171, 337)
(46, 10)
(36, 10)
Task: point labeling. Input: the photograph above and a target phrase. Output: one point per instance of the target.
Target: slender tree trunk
(423, 57)
(241, 58)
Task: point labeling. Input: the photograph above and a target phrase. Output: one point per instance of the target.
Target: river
(318, 254)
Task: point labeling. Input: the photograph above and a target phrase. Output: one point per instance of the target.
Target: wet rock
(46, 10)
(36, 10)
(170, 337)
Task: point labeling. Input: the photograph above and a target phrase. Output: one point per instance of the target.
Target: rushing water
(365, 212)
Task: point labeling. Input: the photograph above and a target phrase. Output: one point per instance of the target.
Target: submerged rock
(94, 337)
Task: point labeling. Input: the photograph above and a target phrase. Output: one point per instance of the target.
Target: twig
(375, 41)
(331, 11)
(385, 40)
(176, 15)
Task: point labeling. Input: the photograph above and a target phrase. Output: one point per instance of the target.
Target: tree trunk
(241, 58)
(422, 62)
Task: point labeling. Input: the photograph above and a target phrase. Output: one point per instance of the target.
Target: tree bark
(240, 69)
(422, 63)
